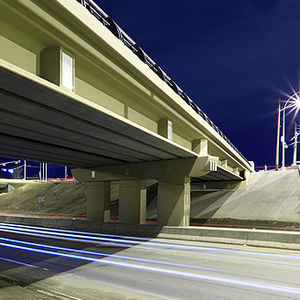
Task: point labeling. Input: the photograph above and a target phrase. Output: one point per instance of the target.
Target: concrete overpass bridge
(77, 90)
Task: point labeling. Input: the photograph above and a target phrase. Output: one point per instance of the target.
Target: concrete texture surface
(59, 197)
(270, 196)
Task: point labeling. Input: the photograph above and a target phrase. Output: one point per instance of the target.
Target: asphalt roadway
(38, 263)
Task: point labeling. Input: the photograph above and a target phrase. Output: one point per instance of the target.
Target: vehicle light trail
(222, 280)
(85, 236)
(107, 255)
(167, 247)
(76, 232)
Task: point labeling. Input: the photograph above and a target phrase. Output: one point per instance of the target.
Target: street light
(292, 102)
(295, 143)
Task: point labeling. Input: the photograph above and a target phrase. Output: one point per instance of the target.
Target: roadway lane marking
(222, 280)
(22, 263)
(57, 294)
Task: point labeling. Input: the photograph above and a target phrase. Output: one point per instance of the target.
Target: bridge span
(77, 90)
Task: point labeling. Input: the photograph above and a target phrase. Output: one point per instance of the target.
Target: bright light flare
(292, 103)
(297, 101)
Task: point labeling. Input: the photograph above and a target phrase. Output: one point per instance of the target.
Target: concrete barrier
(109, 228)
(125, 229)
(205, 234)
(238, 236)
(145, 230)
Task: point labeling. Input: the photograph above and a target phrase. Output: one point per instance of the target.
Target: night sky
(234, 58)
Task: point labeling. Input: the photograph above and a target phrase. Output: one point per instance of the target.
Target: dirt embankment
(59, 197)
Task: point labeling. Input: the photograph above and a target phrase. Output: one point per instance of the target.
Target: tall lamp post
(292, 102)
(278, 136)
(295, 138)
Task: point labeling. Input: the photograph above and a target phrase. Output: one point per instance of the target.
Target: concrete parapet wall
(247, 237)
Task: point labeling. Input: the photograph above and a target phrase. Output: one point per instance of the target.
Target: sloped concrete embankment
(271, 198)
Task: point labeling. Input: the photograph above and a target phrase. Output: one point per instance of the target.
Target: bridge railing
(98, 13)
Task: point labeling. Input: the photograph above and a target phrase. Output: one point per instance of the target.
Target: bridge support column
(132, 202)
(173, 203)
(98, 201)
(107, 200)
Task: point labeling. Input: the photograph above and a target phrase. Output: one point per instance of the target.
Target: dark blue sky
(232, 57)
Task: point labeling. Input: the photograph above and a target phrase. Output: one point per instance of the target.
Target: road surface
(39, 263)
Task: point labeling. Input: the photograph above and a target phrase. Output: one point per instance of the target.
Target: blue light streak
(77, 232)
(222, 280)
(64, 238)
(85, 235)
(168, 249)
(155, 248)
(107, 254)
(95, 239)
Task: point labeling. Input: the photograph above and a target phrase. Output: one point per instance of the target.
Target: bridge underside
(220, 175)
(39, 123)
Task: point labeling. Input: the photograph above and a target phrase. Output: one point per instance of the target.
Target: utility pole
(45, 172)
(25, 171)
(278, 136)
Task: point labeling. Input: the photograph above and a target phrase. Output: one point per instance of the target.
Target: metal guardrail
(109, 23)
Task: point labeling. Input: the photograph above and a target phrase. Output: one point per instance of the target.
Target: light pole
(66, 173)
(295, 138)
(294, 103)
(25, 170)
(278, 136)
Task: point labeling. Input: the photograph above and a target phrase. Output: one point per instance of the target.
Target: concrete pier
(173, 205)
(132, 202)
